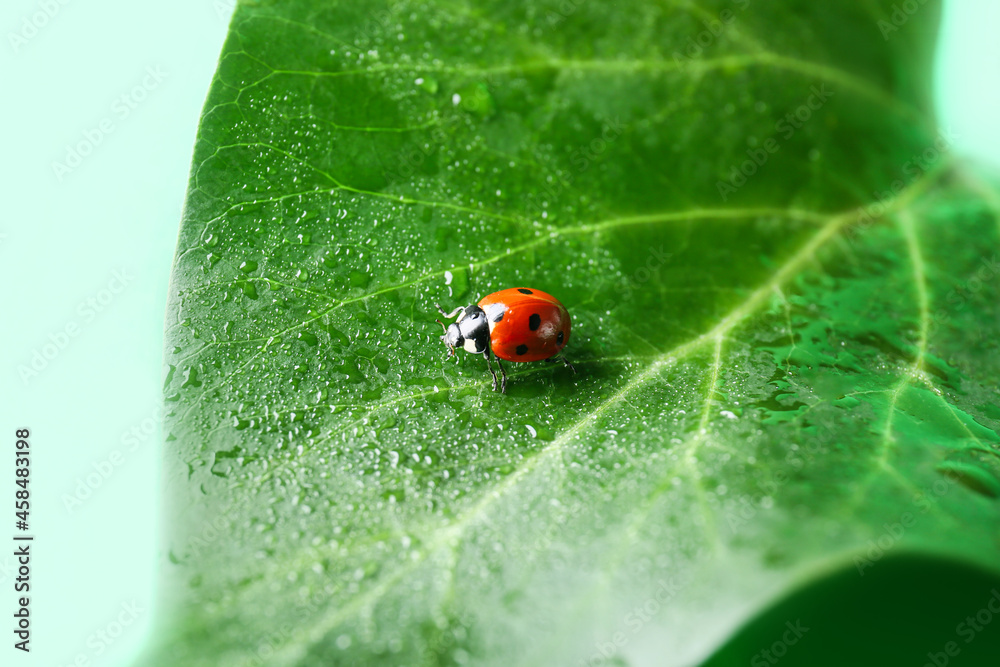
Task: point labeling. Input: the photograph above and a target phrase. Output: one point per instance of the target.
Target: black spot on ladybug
(497, 316)
(524, 291)
(521, 349)
(559, 338)
(534, 321)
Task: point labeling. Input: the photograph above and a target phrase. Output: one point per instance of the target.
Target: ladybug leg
(489, 365)
(450, 315)
(503, 373)
(562, 359)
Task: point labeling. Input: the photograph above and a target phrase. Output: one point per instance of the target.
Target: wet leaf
(785, 314)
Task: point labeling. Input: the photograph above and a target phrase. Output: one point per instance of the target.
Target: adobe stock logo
(87, 310)
(759, 153)
(901, 14)
(103, 469)
(967, 630)
(102, 639)
(121, 108)
(31, 25)
(627, 284)
(715, 27)
(779, 649)
(582, 158)
(662, 592)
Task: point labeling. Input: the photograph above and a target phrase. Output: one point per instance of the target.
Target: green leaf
(785, 313)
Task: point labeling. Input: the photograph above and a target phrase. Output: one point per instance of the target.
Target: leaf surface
(785, 314)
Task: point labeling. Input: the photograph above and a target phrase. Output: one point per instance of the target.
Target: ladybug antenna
(443, 326)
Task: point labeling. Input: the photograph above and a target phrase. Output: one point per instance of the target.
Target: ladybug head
(470, 331)
(453, 336)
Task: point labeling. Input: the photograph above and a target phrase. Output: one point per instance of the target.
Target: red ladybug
(517, 324)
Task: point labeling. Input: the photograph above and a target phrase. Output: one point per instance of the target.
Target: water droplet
(358, 279)
(427, 84)
(338, 336)
(476, 100)
(190, 378)
(248, 266)
(459, 283)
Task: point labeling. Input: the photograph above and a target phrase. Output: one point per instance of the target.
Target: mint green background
(61, 241)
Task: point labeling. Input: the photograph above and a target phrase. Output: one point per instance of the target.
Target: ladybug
(516, 324)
